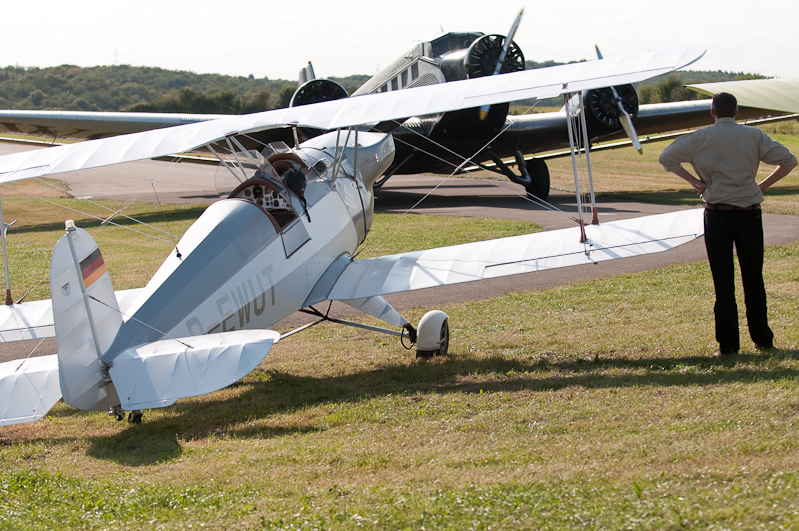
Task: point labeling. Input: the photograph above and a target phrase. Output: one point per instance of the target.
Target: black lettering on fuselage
(195, 322)
(241, 297)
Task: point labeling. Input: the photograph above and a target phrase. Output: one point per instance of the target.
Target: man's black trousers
(744, 229)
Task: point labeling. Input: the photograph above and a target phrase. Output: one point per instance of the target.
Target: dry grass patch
(625, 174)
(595, 405)
(573, 407)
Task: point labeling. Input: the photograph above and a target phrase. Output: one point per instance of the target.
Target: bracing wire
(457, 168)
(103, 221)
(166, 221)
(86, 214)
(131, 318)
(98, 205)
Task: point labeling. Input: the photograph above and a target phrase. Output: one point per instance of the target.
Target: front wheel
(539, 179)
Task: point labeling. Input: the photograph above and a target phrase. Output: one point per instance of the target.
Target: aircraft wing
(86, 125)
(394, 105)
(34, 319)
(776, 94)
(514, 255)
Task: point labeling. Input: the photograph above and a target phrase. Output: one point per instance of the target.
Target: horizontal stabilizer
(518, 254)
(28, 389)
(156, 374)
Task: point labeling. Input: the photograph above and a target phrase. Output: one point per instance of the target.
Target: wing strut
(225, 164)
(586, 143)
(3, 229)
(574, 138)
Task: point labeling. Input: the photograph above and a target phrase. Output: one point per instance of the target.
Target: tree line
(144, 89)
(149, 89)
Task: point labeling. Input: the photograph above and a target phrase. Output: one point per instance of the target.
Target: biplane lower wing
(34, 319)
(518, 254)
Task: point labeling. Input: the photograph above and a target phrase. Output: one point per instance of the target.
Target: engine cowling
(317, 90)
(480, 59)
(602, 113)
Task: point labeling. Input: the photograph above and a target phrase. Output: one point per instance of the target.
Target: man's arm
(779, 172)
(673, 157)
(698, 184)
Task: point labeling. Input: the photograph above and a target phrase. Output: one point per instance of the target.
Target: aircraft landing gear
(117, 413)
(134, 417)
(534, 174)
(433, 335)
(538, 186)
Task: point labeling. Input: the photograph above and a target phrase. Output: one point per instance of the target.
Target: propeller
(624, 116)
(484, 109)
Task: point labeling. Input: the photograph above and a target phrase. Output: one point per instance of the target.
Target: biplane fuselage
(258, 263)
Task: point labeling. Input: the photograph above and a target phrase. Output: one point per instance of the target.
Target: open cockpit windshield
(269, 179)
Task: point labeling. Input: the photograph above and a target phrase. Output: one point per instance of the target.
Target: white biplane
(282, 241)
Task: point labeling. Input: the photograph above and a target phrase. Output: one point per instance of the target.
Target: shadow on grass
(398, 199)
(157, 442)
(280, 393)
(173, 215)
(687, 198)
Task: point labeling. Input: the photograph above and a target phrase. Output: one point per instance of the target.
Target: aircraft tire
(539, 179)
(433, 335)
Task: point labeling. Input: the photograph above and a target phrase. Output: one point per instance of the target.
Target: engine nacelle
(480, 59)
(317, 90)
(601, 112)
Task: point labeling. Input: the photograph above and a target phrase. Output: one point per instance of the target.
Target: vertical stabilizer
(306, 74)
(86, 318)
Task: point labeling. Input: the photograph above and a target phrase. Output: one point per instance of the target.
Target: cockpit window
(452, 42)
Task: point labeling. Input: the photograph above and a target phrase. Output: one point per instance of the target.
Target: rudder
(86, 318)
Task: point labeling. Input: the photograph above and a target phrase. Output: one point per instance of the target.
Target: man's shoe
(725, 353)
(764, 348)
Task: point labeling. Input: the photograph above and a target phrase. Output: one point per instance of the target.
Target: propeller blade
(624, 116)
(484, 109)
(627, 124)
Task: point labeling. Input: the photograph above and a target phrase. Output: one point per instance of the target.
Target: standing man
(726, 156)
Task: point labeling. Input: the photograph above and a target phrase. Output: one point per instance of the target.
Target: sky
(266, 38)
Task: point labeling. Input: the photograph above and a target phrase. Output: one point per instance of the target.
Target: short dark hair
(724, 105)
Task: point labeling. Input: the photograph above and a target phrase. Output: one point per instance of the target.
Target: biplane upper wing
(514, 255)
(395, 105)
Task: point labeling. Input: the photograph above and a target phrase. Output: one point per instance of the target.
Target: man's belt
(724, 206)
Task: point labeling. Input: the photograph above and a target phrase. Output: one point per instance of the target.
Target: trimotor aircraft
(440, 142)
(283, 240)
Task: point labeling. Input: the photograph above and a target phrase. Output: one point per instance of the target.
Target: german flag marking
(92, 268)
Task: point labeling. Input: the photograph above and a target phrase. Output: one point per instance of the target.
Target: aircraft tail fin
(306, 74)
(86, 318)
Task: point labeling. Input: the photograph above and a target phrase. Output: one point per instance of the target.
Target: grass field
(591, 406)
